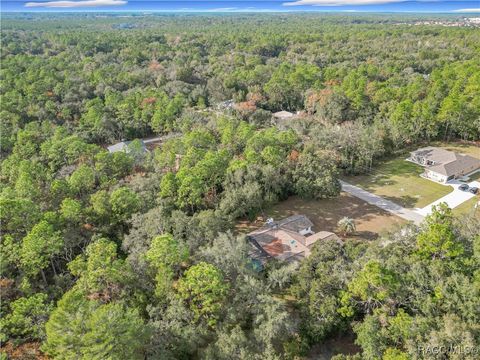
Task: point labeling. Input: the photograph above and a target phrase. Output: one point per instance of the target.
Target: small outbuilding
(226, 105)
(281, 115)
(126, 146)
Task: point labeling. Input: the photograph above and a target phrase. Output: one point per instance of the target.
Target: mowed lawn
(399, 180)
(468, 207)
(325, 214)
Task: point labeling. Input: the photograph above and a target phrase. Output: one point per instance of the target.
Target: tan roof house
(442, 165)
(289, 239)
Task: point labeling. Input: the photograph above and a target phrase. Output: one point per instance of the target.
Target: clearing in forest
(399, 181)
(370, 221)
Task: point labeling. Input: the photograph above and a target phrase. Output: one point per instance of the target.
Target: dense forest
(135, 255)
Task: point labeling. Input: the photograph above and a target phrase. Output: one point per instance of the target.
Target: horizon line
(350, 12)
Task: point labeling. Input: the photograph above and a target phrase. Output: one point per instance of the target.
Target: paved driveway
(382, 203)
(455, 198)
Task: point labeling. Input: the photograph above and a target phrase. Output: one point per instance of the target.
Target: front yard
(399, 180)
(467, 208)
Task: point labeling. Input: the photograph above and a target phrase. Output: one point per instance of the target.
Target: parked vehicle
(473, 190)
(463, 187)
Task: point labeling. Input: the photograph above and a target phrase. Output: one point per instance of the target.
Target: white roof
(283, 114)
(123, 146)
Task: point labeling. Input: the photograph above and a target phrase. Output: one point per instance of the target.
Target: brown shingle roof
(462, 164)
(282, 239)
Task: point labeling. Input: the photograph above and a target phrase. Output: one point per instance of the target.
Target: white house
(442, 165)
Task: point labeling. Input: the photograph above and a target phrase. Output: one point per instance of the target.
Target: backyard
(459, 147)
(325, 214)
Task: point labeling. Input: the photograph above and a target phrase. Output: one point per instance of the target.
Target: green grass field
(467, 208)
(399, 180)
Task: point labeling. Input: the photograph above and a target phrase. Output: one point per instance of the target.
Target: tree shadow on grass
(407, 201)
(382, 175)
(369, 235)
(378, 180)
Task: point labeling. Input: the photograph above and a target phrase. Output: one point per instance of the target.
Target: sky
(421, 6)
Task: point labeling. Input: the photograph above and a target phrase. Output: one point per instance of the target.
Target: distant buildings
(290, 239)
(282, 115)
(226, 105)
(283, 119)
(126, 147)
(459, 22)
(285, 115)
(442, 165)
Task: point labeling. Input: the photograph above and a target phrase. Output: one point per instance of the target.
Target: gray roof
(438, 155)
(295, 223)
(448, 162)
(123, 146)
(464, 164)
(283, 114)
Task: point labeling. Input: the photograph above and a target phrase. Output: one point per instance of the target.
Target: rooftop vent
(270, 222)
